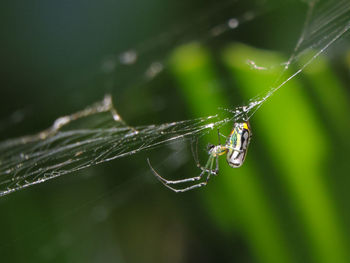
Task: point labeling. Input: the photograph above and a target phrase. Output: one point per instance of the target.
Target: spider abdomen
(237, 144)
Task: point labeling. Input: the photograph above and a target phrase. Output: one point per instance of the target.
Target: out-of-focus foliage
(294, 152)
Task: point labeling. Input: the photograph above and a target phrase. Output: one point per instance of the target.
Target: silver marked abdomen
(238, 143)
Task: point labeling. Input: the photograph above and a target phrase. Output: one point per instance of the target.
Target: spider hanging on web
(235, 149)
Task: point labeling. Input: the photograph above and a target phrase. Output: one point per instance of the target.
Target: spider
(235, 149)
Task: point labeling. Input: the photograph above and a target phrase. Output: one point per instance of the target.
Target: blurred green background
(288, 203)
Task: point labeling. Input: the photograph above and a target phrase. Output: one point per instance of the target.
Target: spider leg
(166, 182)
(196, 159)
(192, 179)
(216, 171)
(187, 188)
(200, 184)
(195, 153)
(220, 135)
(210, 171)
(223, 135)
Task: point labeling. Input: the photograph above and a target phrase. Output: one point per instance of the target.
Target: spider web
(98, 134)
